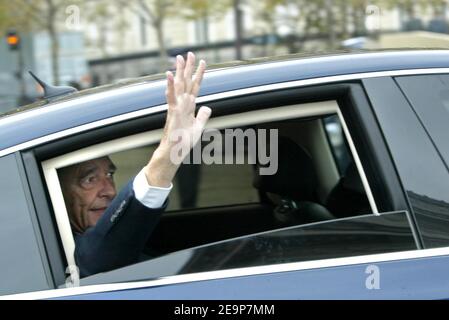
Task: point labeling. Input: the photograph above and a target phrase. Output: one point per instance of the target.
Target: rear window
(429, 97)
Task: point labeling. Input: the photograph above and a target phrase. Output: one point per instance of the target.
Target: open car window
(234, 201)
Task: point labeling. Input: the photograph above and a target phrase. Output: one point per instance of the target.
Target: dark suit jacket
(119, 236)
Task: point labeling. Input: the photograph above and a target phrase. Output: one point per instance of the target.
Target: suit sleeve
(119, 236)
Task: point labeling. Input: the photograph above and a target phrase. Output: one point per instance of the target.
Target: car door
(297, 250)
(23, 264)
(390, 228)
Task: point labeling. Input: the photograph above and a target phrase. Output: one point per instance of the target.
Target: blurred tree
(344, 10)
(99, 12)
(203, 11)
(265, 12)
(238, 27)
(301, 18)
(283, 19)
(330, 22)
(5, 17)
(305, 19)
(358, 8)
(155, 12)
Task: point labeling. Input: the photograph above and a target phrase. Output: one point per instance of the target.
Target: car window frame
(50, 166)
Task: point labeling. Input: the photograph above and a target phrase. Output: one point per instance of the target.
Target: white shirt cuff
(149, 196)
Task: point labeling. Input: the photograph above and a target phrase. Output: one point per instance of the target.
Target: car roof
(44, 118)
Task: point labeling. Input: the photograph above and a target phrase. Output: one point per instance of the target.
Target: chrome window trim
(200, 100)
(232, 273)
(358, 163)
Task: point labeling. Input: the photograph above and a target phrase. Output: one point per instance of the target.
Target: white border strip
(358, 163)
(231, 273)
(200, 100)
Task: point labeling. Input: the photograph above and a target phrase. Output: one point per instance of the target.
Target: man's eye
(110, 174)
(89, 180)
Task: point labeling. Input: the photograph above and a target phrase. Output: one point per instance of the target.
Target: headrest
(295, 178)
(351, 180)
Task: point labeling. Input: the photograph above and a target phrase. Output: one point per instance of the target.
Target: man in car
(111, 229)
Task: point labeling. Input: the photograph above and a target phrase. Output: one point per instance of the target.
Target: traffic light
(13, 39)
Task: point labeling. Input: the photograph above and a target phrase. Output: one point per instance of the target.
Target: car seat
(348, 197)
(294, 185)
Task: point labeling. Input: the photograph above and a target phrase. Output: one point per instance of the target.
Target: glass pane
(429, 96)
(355, 236)
(423, 173)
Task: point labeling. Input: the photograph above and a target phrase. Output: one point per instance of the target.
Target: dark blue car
(358, 206)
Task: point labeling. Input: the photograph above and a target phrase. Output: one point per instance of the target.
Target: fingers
(170, 92)
(203, 116)
(187, 105)
(179, 78)
(183, 83)
(190, 65)
(198, 78)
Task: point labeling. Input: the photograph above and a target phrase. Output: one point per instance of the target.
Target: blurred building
(127, 31)
(122, 31)
(125, 45)
(415, 39)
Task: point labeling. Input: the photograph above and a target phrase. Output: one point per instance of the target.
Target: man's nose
(108, 188)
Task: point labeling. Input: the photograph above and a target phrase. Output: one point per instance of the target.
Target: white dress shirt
(149, 196)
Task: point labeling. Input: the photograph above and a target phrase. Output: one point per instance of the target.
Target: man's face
(88, 190)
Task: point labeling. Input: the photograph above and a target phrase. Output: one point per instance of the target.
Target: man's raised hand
(182, 128)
